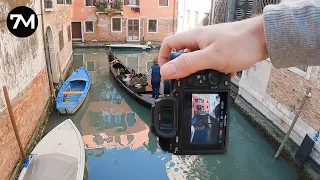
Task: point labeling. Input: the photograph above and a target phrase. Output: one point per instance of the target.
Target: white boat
(58, 156)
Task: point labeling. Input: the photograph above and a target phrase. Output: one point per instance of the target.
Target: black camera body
(193, 117)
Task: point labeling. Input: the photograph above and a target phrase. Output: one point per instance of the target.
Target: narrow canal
(115, 130)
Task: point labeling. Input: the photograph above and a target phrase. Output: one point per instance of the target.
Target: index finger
(178, 41)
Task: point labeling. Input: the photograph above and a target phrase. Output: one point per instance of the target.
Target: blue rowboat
(73, 92)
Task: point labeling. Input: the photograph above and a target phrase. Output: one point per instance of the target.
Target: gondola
(119, 71)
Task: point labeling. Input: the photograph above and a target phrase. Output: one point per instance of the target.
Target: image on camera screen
(206, 109)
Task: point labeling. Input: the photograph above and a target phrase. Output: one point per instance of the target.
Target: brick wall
(165, 28)
(102, 30)
(288, 89)
(28, 107)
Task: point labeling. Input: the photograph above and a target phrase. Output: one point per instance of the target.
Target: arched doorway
(51, 55)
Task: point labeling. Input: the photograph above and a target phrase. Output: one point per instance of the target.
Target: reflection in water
(120, 145)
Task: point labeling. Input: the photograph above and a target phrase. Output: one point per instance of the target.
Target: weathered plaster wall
(192, 6)
(23, 71)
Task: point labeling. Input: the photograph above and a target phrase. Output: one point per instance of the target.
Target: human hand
(227, 47)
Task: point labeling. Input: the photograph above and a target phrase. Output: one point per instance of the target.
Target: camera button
(176, 94)
(226, 83)
(198, 76)
(200, 81)
(191, 80)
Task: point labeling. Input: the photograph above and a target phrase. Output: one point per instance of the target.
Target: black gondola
(141, 94)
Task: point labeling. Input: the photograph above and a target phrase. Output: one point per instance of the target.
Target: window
(91, 66)
(60, 1)
(48, 4)
(152, 26)
(303, 71)
(116, 24)
(196, 18)
(131, 2)
(69, 32)
(303, 68)
(89, 26)
(90, 2)
(61, 39)
(206, 19)
(163, 2)
(68, 1)
(188, 16)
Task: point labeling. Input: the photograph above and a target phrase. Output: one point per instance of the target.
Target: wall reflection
(113, 124)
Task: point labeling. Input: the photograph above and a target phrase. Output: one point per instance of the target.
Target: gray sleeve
(292, 31)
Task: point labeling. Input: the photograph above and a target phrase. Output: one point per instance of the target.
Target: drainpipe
(48, 65)
(174, 7)
(143, 30)
(211, 13)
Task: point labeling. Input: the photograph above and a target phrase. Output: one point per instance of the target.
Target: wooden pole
(293, 123)
(15, 129)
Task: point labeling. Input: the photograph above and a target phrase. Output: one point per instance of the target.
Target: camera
(192, 117)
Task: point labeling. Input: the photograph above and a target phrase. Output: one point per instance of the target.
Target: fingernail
(168, 70)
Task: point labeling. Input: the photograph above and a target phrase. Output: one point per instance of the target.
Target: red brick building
(123, 21)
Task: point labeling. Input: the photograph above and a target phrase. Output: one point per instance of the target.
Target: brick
(280, 87)
(27, 112)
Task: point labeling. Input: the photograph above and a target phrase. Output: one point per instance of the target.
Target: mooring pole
(15, 129)
(293, 122)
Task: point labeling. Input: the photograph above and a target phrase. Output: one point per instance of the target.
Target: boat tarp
(52, 167)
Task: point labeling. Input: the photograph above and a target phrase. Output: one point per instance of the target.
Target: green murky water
(120, 146)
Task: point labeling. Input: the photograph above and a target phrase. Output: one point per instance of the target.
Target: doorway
(133, 26)
(76, 31)
(51, 56)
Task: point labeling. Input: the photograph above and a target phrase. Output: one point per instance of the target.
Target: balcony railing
(48, 4)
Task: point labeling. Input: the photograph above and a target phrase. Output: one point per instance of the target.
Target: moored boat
(141, 91)
(73, 91)
(59, 155)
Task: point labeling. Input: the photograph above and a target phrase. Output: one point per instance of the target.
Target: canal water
(115, 131)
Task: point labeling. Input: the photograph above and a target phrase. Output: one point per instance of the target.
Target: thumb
(186, 64)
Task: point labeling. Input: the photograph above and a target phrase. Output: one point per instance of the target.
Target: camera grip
(166, 83)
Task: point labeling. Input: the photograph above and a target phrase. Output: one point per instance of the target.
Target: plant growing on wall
(117, 5)
(101, 5)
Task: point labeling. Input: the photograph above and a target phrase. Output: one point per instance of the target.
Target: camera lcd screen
(206, 112)
(166, 118)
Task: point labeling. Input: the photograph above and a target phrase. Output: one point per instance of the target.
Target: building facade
(123, 21)
(192, 14)
(24, 71)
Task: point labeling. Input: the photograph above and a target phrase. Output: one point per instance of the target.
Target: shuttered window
(196, 18)
(60, 1)
(61, 40)
(90, 2)
(152, 25)
(116, 24)
(188, 16)
(69, 33)
(163, 2)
